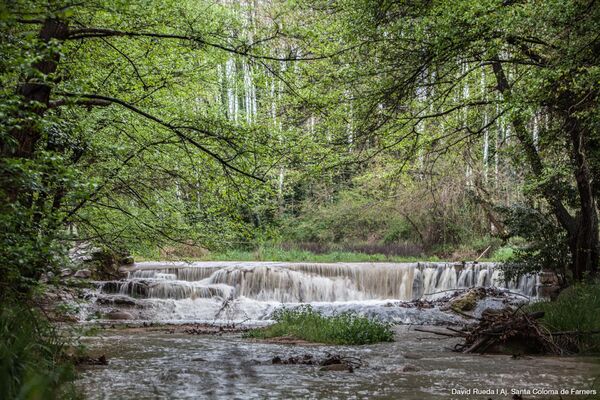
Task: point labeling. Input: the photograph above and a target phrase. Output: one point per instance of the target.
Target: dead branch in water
(510, 331)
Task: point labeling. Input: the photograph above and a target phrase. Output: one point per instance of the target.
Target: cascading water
(209, 291)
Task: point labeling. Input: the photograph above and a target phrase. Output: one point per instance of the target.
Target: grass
(276, 254)
(273, 252)
(32, 359)
(577, 308)
(503, 254)
(307, 324)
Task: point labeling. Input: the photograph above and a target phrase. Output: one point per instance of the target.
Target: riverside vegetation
(307, 324)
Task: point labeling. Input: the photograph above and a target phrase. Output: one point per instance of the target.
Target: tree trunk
(582, 229)
(35, 97)
(584, 241)
(36, 93)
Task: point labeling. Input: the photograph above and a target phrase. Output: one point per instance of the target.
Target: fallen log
(435, 332)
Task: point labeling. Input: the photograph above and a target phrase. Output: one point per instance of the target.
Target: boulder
(65, 272)
(118, 315)
(83, 274)
(127, 260)
(116, 300)
(468, 301)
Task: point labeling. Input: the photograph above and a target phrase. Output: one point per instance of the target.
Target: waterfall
(206, 291)
(312, 282)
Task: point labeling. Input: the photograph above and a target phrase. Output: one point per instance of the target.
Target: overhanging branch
(173, 128)
(86, 33)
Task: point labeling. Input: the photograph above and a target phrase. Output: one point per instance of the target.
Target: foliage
(575, 310)
(32, 361)
(307, 324)
(504, 92)
(276, 253)
(544, 246)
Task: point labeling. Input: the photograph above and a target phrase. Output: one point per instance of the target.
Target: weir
(315, 282)
(253, 290)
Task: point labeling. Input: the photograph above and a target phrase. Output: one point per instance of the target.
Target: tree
(437, 75)
(114, 122)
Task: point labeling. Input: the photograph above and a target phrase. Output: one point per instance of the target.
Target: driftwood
(510, 331)
(436, 332)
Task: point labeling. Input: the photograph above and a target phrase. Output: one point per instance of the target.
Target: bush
(32, 365)
(307, 324)
(576, 309)
(544, 246)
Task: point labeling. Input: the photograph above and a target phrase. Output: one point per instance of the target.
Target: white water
(225, 291)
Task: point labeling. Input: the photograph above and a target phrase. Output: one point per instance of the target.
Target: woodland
(340, 130)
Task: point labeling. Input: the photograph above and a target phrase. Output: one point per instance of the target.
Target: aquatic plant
(307, 324)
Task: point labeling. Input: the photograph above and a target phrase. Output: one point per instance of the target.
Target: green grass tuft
(307, 324)
(577, 308)
(32, 358)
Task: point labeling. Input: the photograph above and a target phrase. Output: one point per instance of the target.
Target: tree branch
(83, 103)
(86, 33)
(173, 128)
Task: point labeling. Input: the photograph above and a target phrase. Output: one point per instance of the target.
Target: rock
(116, 300)
(65, 272)
(118, 315)
(412, 356)
(549, 278)
(83, 273)
(127, 260)
(410, 368)
(337, 367)
(468, 301)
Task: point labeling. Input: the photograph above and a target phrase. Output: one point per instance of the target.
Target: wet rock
(117, 300)
(409, 368)
(83, 274)
(468, 301)
(87, 360)
(412, 356)
(118, 315)
(306, 359)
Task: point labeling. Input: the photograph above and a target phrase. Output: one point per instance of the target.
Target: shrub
(576, 309)
(32, 362)
(544, 245)
(307, 324)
